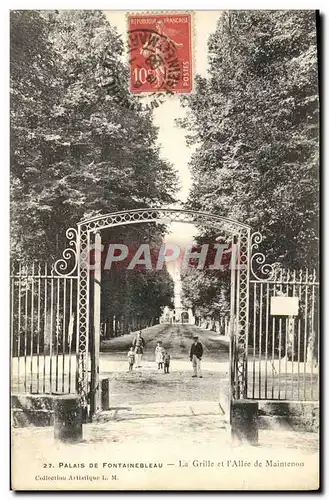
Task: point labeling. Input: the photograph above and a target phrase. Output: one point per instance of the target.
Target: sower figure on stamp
(196, 354)
(154, 56)
(139, 344)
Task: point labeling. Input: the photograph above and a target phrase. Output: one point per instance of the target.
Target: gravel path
(170, 420)
(150, 385)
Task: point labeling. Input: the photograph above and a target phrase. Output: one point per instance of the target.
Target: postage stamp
(160, 53)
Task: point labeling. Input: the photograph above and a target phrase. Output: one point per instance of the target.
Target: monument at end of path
(179, 314)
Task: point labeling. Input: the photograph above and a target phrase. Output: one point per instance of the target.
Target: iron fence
(281, 362)
(283, 350)
(43, 313)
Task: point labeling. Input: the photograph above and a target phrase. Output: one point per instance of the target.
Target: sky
(171, 138)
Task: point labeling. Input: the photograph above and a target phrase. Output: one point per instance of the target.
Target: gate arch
(50, 302)
(184, 317)
(81, 239)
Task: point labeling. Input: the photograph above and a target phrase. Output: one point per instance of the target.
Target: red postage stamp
(160, 53)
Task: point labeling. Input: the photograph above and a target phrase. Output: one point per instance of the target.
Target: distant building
(179, 314)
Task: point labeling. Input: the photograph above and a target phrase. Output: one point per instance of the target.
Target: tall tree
(134, 296)
(76, 152)
(255, 122)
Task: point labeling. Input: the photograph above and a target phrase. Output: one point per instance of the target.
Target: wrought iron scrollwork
(161, 215)
(232, 228)
(61, 266)
(258, 260)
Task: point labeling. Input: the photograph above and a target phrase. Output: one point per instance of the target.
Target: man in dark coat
(166, 362)
(196, 354)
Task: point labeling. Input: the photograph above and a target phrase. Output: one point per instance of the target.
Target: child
(159, 355)
(166, 361)
(131, 358)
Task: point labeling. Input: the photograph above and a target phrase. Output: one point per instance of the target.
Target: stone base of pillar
(244, 421)
(68, 417)
(105, 394)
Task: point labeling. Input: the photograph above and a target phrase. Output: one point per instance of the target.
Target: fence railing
(43, 334)
(283, 351)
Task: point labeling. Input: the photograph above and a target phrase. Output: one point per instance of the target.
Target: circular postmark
(154, 70)
(154, 63)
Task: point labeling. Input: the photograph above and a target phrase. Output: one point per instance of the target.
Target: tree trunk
(110, 329)
(115, 321)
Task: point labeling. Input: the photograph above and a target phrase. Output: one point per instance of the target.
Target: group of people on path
(162, 357)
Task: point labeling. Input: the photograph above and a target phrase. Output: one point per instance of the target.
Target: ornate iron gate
(283, 357)
(43, 313)
(239, 234)
(55, 316)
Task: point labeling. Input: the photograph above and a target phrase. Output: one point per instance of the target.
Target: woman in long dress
(159, 355)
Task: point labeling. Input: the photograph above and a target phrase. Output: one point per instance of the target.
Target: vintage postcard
(164, 299)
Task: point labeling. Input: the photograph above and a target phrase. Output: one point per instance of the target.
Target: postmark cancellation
(160, 52)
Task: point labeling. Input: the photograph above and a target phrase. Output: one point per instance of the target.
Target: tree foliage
(139, 293)
(75, 151)
(254, 120)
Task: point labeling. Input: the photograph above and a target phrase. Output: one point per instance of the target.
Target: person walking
(196, 354)
(166, 362)
(138, 345)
